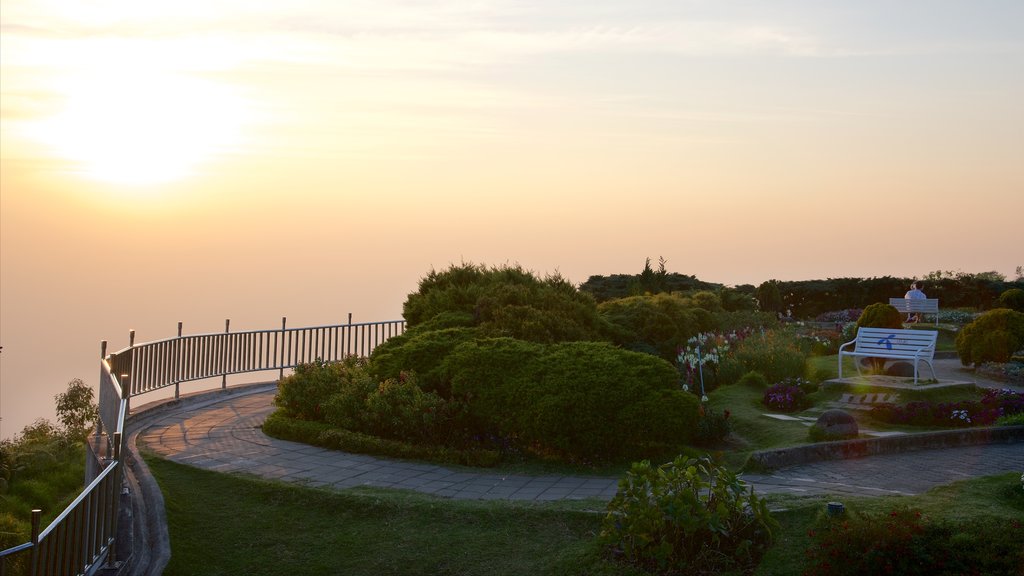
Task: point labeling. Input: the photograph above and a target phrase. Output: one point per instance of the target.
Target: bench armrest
(854, 341)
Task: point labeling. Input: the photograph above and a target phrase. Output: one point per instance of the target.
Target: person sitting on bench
(914, 293)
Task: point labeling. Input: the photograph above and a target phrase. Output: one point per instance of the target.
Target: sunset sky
(199, 160)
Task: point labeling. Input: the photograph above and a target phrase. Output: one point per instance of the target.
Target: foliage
(77, 410)
(787, 396)
(422, 351)
(1011, 371)
(880, 315)
(689, 515)
(662, 322)
(957, 317)
(840, 316)
(768, 297)
(1011, 420)
(773, 353)
(907, 542)
(281, 425)
(1012, 299)
(995, 336)
(698, 362)
(712, 426)
(818, 342)
(604, 288)
(40, 468)
(754, 379)
(993, 405)
(304, 393)
(507, 301)
(575, 400)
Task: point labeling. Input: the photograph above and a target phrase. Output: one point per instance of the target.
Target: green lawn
(272, 528)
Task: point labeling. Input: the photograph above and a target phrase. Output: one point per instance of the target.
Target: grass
(274, 528)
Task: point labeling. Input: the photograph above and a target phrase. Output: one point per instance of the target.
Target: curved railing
(83, 538)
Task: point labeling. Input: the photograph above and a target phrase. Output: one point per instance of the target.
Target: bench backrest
(908, 305)
(886, 341)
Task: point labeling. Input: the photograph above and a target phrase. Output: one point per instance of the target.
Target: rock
(834, 425)
(903, 369)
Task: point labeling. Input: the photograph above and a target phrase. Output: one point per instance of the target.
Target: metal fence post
(177, 365)
(224, 377)
(284, 323)
(37, 516)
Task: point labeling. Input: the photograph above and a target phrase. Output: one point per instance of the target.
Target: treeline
(808, 298)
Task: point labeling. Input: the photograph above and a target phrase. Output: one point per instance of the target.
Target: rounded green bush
(304, 393)
(575, 400)
(1012, 299)
(662, 322)
(995, 336)
(880, 315)
(754, 379)
(689, 516)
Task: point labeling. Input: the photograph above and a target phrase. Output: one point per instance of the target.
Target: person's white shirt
(915, 294)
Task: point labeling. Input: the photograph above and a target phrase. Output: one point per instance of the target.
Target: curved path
(220, 431)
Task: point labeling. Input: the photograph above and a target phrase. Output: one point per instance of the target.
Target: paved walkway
(221, 432)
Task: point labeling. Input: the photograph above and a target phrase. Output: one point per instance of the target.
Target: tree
(76, 410)
(768, 296)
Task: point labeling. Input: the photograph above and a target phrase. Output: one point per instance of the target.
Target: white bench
(917, 306)
(912, 345)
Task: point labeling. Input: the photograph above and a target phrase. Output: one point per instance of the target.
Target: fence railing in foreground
(84, 537)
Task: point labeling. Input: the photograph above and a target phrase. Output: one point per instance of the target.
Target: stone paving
(221, 432)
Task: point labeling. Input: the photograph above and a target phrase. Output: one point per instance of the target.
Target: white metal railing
(84, 536)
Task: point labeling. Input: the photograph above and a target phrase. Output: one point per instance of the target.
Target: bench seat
(917, 306)
(893, 344)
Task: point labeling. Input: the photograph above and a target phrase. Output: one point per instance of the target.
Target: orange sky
(196, 160)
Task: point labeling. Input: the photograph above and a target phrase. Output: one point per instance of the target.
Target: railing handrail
(167, 363)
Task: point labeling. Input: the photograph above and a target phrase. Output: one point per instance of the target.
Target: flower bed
(984, 412)
(789, 395)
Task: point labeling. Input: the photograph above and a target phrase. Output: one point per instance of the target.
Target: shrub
(689, 515)
(906, 542)
(663, 322)
(279, 425)
(1011, 420)
(995, 336)
(773, 354)
(698, 362)
(579, 400)
(422, 351)
(787, 396)
(303, 393)
(507, 301)
(1012, 299)
(711, 426)
(880, 315)
(754, 379)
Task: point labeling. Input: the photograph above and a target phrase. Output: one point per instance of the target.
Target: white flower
(704, 398)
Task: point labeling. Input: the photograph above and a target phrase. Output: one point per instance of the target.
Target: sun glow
(141, 127)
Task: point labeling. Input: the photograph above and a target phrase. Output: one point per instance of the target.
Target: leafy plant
(1012, 299)
(689, 515)
(880, 315)
(995, 336)
(790, 395)
(773, 353)
(907, 542)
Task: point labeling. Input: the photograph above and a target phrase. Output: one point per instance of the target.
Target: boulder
(834, 425)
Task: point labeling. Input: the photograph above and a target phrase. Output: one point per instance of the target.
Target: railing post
(177, 365)
(224, 377)
(37, 516)
(126, 393)
(284, 323)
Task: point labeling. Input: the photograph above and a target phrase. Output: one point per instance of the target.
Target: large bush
(303, 393)
(689, 516)
(661, 323)
(907, 542)
(993, 337)
(576, 400)
(880, 315)
(1012, 299)
(507, 301)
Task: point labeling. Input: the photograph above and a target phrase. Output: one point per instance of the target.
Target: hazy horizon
(196, 161)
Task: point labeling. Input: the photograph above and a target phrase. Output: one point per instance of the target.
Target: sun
(141, 127)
